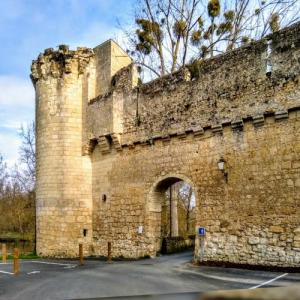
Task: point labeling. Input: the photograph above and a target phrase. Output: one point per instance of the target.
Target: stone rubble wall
(252, 218)
(230, 87)
(105, 161)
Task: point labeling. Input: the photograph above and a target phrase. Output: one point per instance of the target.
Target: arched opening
(172, 209)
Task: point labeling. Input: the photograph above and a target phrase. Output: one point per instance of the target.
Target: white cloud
(16, 91)
(16, 108)
(9, 148)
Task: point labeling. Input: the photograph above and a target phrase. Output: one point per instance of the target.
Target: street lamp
(222, 168)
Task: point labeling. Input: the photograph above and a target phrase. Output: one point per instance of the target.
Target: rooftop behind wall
(229, 87)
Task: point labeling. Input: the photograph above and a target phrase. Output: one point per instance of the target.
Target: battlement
(287, 39)
(262, 77)
(55, 63)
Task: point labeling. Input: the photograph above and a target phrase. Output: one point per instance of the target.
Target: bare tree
(26, 175)
(17, 205)
(169, 34)
(187, 197)
(183, 193)
(3, 176)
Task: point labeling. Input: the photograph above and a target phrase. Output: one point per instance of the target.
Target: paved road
(162, 278)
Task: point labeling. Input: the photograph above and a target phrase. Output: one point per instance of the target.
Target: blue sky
(27, 27)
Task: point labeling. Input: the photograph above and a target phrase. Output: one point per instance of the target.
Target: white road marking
(233, 279)
(269, 281)
(50, 263)
(66, 266)
(6, 273)
(34, 272)
(70, 267)
(40, 262)
(223, 278)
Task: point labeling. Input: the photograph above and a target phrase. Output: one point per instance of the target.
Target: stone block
(253, 240)
(276, 229)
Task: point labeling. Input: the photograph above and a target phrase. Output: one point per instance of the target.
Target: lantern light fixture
(222, 168)
(221, 164)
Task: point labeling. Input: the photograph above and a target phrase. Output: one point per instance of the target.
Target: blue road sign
(201, 231)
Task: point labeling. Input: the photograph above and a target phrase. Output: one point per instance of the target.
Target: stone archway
(156, 198)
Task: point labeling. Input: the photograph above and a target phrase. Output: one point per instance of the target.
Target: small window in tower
(104, 197)
(85, 231)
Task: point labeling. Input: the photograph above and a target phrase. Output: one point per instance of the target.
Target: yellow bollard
(4, 253)
(81, 254)
(16, 261)
(109, 256)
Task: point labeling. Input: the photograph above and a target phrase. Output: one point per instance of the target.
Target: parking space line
(4, 272)
(269, 281)
(51, 263)
(34, 272)
(70, 267)
(223, 278)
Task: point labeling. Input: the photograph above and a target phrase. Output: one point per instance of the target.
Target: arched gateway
(155, 202)
(107, 149)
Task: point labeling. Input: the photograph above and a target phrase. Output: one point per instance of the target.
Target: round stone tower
(63, 187)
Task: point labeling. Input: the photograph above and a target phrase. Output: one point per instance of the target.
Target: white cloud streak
(16, 91)
(16, 108)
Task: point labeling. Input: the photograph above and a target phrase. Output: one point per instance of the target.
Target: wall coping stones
(181, 76)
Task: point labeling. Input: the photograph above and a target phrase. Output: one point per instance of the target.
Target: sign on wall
(201, 231)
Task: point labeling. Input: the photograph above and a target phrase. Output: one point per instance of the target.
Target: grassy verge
(23, 256)
(17, 236)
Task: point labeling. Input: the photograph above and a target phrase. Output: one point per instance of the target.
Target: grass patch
(23, 256)
(17, 236)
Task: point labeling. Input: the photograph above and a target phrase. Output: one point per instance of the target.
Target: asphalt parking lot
(161, 278)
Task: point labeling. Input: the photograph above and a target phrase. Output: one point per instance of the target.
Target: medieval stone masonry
(108, 148)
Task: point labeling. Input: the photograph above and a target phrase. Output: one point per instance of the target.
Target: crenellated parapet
(55, 63)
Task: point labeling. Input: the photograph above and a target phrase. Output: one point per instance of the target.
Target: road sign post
(202, 233)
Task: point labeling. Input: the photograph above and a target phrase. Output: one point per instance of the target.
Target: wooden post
(170, 210)
(16, 261)
(81, 254)
(109, 258)
(4, 253)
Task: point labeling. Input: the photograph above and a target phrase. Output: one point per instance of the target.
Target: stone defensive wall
(228, 88)
(108, 148)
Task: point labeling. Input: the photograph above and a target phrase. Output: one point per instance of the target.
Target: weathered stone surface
(253, 240)
(276, 229)
(104, 161)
